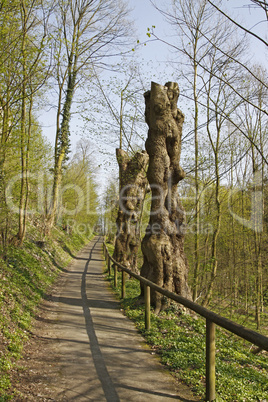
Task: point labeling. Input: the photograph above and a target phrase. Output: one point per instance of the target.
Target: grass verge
(25, 276)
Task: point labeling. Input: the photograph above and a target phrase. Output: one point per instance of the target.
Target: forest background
(80, 64)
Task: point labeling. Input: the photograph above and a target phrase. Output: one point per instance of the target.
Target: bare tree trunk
(133, 183)
(163, 245)
(196, 283)
(4, 135)
(214, 242)
(22, 221)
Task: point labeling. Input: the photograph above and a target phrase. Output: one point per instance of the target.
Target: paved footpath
(101, 355)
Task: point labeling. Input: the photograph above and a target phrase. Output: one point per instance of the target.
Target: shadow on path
(102, 372)
(156, 393)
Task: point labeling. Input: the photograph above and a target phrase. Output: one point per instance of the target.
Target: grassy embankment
(179, 340)
(26, 273)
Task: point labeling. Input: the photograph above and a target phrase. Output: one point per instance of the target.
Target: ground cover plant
(179, 339)
(26, 273)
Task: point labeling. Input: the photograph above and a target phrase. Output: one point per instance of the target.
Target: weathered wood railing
(211, 319)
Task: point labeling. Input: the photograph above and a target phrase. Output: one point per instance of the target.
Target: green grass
(179, 340)
(25, 276)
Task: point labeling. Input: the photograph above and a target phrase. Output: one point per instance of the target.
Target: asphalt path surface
(94, 352)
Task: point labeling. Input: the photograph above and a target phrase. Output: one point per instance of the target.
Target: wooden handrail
(211, 319)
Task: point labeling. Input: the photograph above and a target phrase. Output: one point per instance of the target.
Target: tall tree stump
(133, 184)
(163, 245)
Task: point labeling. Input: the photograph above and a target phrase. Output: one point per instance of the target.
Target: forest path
(87, 350)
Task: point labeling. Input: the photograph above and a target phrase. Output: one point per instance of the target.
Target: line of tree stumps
(157, 170)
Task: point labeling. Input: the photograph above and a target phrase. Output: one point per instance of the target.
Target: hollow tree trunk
(163, 245)
(133, 183)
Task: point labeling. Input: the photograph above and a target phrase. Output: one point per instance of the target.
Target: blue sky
(155, 54)
(145, 15)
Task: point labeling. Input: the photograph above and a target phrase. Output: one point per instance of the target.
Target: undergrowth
(179, 340)
(26, 273)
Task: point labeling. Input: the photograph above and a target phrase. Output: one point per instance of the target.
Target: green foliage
(79, 197)
(238, 246)
(179, 340)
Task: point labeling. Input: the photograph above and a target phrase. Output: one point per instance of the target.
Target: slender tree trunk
(257, 244)
(163, 245)
(215, 147)
(233, 274)
(257, 212)
(22, 222)
(261, 188)
(27, 158)
(197, 191)
(245, 263)
(61, 149)
(121, 121)
(22, 218)
(214, 257)
(4, 133)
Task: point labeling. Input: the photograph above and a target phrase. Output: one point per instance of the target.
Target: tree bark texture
(133, 185)
(163, 245)
(62, 143)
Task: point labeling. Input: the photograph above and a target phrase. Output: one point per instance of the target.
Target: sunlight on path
(102, 357)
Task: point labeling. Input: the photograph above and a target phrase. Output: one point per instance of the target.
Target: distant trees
(78, 195)
(113, 107)
(118, 116)
(86, 34)
(23, 71)
(110, 208)
(226, 93)
(206, 68)
(209, 39)
(64, 46)
(40, 41)
(33, 22)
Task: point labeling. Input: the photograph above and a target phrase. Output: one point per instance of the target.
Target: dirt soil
(38, 368)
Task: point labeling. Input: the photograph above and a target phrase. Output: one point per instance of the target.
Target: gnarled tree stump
(133, 184)
(163, 245)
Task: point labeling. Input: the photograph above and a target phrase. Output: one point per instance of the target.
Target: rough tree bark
(163, 245)
(133, 184)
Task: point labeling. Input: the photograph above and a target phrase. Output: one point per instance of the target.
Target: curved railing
(211, 319)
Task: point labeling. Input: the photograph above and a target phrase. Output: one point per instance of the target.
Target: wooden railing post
(210, 361)
(109, 266)
(104, 250)
(123, 291)
(147, 297)
(115, 275)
